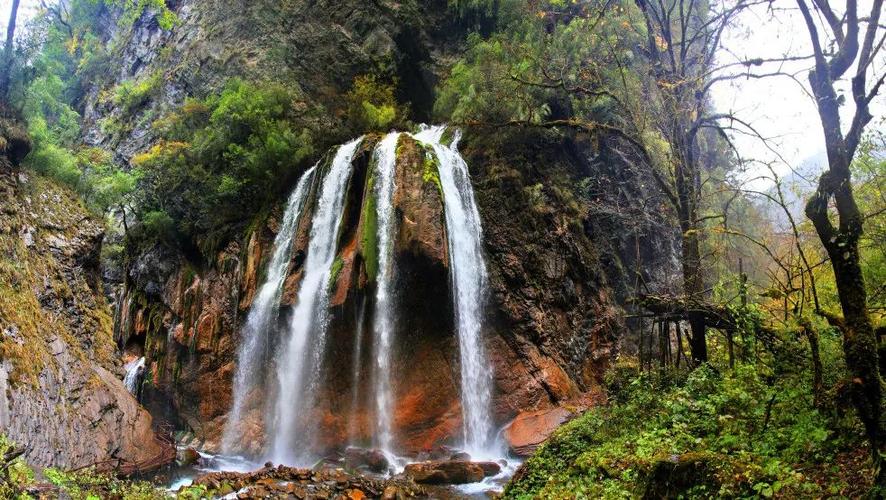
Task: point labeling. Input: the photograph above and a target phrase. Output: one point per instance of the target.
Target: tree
(840, 232)
(577, 65)
(682, 41)
(7, 52)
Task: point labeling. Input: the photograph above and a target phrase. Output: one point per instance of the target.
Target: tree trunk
(841, 242)
(817, 382)
(7, 52)
(694, 289)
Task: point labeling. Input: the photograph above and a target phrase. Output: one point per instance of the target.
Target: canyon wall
(61, 397)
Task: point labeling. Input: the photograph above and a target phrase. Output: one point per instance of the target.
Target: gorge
(435, 249)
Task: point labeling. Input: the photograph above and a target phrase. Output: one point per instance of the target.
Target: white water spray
(468, 282)
(355, 375)
(264, 311)
(134, 371)
(299, 363)
(384, 318)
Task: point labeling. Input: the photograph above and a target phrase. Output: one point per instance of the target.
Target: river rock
(187, 456)
(451, 471)
(286, 482)
(373, 460)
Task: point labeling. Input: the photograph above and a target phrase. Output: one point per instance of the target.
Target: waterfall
(134, 371)
(383, 320)
(299, 363)
(468, 283)
(264, 310)
(355, 375)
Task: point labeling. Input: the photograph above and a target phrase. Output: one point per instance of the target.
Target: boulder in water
(374, 460)
(451, 471)
(187, 456)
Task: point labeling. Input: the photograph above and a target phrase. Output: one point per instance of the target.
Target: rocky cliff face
(563, 238)
(554, 318)
(61, 396)
(319, 47)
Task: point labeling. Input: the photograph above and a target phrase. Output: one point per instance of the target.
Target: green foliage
(133, 94)
(133, 10)
(509, 75)
(372, 105)
(754, 431)
(869, 176)
(64, 62)
(222, 158)
(17, 477)
(88, 485)
(158, 225)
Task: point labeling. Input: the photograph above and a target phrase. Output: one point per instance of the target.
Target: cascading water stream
(264, 311)
(468, 282)
(355, 375)
(384, 318)
(134, 371)
(299, 363)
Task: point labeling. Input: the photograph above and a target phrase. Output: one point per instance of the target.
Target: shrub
(17, 477)
(752, 432)
(222, 158)
(371, 105)
(133, 94)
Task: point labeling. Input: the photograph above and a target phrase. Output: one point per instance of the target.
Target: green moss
(431, 171)
(369, 234)
(335, 270)
(448, 136)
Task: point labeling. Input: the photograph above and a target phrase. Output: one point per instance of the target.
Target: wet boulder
(451, 471)
(374, 460)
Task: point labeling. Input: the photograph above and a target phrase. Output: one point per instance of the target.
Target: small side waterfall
(384, 319)
(264, 310)
(135, 369)
(299, 362)
(468, 282)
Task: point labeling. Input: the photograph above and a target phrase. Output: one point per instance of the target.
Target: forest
(442, 249)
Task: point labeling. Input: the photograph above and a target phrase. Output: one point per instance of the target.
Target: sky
(778, 107)
(27, 9)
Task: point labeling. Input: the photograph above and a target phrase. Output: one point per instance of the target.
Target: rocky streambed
(356, 473)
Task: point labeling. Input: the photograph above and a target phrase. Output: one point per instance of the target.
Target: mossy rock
(674, 475)
(369, 232)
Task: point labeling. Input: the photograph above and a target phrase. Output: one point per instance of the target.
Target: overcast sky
(778, 107)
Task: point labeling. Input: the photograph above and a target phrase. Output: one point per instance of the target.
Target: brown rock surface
(530, 429)
(451, 471)
(59, 397)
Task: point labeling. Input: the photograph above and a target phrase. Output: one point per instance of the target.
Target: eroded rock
(451, 471)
